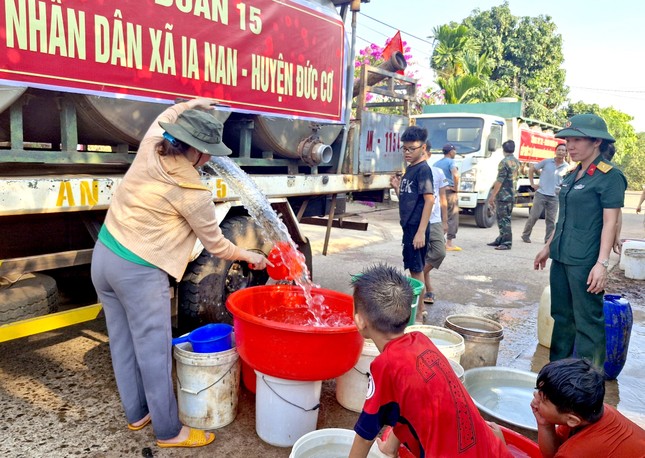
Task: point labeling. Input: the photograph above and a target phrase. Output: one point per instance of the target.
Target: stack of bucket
(208, 377)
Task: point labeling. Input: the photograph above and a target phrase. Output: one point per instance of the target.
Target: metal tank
(113, 121)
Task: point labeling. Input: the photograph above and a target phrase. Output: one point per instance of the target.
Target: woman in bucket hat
(156, 215)
(590, 200)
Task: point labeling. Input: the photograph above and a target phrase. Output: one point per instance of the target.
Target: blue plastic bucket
(618, 329)
(212, 338)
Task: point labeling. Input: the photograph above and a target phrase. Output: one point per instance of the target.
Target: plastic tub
(481, 339)
(289, 351)
(450, 343)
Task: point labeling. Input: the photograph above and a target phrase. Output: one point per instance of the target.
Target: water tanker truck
(478, 130)
(80, 82)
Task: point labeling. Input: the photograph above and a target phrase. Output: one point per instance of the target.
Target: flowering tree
(373, 55)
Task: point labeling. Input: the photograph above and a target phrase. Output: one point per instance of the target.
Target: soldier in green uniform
(590, 198)
(502, 197)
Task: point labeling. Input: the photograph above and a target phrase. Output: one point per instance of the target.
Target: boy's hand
(419, 240)
(395, 181)
(534, 407)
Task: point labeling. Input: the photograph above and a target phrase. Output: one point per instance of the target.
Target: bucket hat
(199, 130)
(586, 125)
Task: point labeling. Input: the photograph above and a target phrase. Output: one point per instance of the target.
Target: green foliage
(525, 56)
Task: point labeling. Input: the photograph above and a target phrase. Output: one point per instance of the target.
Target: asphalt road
(57, 392)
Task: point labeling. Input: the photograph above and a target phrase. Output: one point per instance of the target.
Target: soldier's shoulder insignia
(604, 167)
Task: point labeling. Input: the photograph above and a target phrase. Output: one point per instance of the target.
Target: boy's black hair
(508, 146)
(383, 295)
(573, 386)
(415, 134)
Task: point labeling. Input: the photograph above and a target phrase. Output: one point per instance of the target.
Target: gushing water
(268, 220)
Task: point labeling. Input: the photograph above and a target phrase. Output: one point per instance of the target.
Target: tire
(32, 296)
(209, 280)
(484, 215)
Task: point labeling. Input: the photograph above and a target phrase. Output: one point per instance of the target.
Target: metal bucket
(481, 339)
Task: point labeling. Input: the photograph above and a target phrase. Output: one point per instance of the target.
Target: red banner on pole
(262, 56)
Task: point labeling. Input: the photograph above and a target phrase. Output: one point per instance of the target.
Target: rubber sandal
(131, 427)
(196, 438)
(453, 248)
(428, 298)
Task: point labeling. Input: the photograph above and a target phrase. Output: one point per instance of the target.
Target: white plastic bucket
(545, 321)
(634, 263)
(207, 386)
(628, 245)
(450, 343)
(285, 410)
(328, 443)
(351, 387)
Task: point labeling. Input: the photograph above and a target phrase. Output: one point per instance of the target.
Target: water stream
(271, 225)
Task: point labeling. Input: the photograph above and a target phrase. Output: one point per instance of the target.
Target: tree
(526, 56)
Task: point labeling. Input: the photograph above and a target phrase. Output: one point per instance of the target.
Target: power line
(396, 28)
(608, 90)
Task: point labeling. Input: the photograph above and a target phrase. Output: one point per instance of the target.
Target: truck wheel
(33, 295)
(209, 280)
(484, 215)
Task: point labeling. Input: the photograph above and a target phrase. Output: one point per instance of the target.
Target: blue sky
(603, 41)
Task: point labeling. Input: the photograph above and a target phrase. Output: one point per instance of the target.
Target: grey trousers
(548, 204)
(453, 214)
(136, 301)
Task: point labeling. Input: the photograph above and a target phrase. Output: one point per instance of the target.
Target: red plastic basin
(289, 351)
(520, 446)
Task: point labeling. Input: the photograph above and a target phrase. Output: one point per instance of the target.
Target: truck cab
(477, 131)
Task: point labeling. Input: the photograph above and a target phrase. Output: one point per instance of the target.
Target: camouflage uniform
(507, 171)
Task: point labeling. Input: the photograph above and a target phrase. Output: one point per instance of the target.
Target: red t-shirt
(414, 389)
(612, 436)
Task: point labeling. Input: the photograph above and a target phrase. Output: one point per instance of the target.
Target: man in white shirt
(546, 192)
(436, 248)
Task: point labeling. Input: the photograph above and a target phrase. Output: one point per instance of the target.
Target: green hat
(199, 130)
(586, 125)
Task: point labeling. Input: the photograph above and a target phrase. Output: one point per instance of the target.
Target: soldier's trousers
(579, 327)
(503, 210)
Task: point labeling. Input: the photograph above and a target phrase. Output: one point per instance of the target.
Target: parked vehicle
(81, 86)
(478, 130)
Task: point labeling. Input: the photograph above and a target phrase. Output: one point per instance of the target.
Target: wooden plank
(18, 266)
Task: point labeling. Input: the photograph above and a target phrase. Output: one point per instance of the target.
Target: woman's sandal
(196, 438)
(132, 427)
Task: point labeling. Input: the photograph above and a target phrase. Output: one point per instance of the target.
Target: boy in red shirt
(412, 386)
(572, 419)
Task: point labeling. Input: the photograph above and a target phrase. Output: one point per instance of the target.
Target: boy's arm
(360, 447)
(420, 237)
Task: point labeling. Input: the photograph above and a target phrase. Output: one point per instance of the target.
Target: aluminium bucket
(481, 338)
(207, 386)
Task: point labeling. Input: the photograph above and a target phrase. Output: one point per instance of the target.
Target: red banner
(535, 146)
(261, 56)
